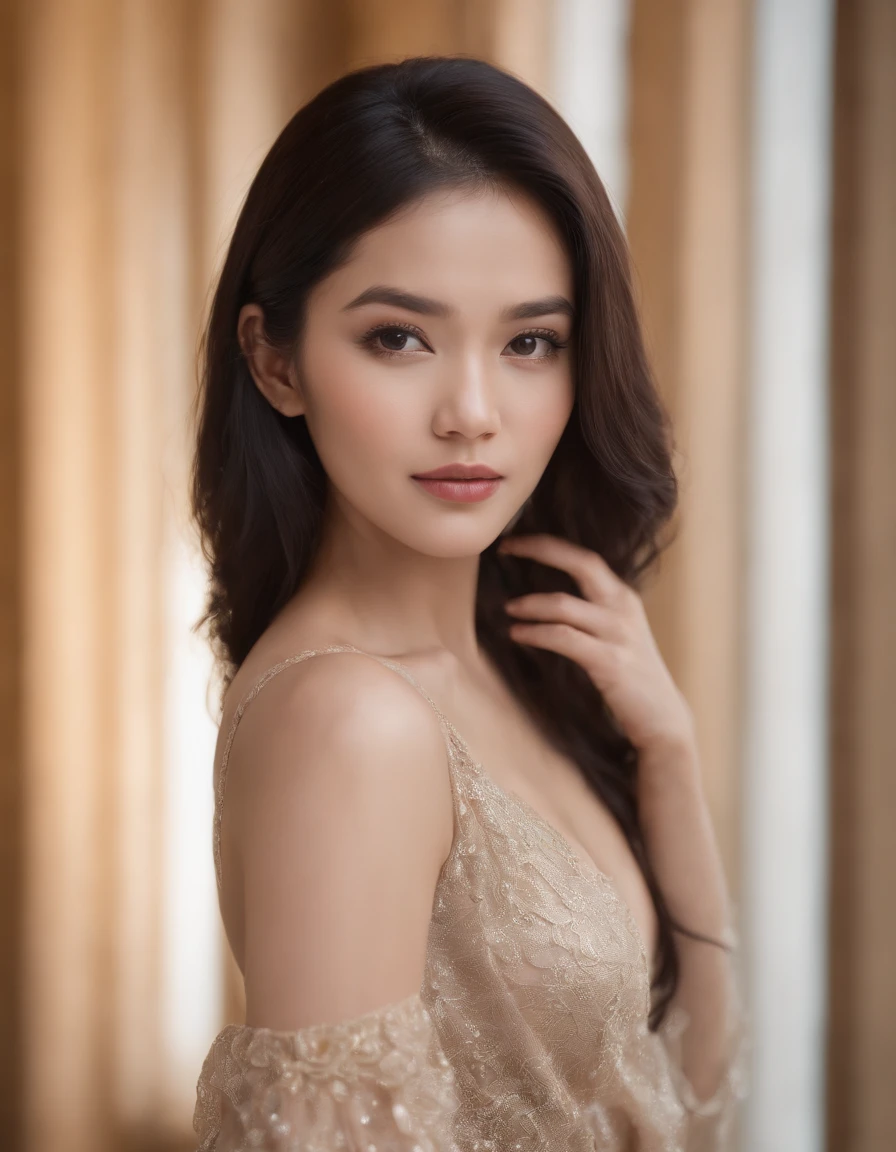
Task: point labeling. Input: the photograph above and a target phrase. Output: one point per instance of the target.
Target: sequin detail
(529, 1032)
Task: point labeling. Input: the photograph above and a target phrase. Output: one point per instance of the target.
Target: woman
(463, 802)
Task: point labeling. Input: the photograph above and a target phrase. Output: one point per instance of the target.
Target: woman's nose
(469, 402)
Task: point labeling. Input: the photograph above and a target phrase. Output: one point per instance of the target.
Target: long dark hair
(365, 146)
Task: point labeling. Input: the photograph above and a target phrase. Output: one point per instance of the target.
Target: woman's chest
(518, 759)
(533, 949)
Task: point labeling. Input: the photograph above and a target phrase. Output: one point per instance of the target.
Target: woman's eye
(390, 341)
(526, 345)
(395, 340)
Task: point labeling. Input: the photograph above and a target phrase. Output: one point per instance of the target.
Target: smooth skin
(345, 816)
(468, 388)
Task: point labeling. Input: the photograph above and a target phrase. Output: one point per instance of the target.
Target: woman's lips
(460, 491)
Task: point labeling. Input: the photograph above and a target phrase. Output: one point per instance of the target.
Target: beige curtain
(861, 1069)
(689, 124)
(130, 130)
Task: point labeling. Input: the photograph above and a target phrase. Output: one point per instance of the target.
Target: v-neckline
(581, 866)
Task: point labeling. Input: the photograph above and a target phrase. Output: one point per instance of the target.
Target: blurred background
(749, 147)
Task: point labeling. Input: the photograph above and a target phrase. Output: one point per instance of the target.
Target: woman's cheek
(365, 431)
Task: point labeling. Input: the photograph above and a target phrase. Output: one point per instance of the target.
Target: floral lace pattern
(528, 1033)
(377, 1082)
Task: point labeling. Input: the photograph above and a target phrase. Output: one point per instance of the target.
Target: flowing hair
(365, 147)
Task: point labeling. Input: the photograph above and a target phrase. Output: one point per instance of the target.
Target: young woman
(464, 860)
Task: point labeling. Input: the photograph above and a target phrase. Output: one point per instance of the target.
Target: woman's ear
(273, 372)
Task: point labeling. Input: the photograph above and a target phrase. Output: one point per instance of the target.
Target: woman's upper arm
(342, 817)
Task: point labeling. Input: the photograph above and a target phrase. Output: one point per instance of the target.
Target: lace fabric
(529, 1031)
(380, 1081)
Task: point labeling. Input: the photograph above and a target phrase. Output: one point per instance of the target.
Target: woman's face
(391, 387)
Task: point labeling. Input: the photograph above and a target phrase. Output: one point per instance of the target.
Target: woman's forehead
(445, 254)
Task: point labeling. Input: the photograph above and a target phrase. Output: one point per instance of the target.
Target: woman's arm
(606, 631)
(681, 845)
(340, 818)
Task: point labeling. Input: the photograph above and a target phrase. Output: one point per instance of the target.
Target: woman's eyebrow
(383, 294)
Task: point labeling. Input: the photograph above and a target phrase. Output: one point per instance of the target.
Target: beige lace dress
(529, 1032)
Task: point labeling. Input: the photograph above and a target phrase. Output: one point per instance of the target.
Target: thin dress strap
(269, 674)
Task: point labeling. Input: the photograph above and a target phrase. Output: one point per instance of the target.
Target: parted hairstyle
(366, 146)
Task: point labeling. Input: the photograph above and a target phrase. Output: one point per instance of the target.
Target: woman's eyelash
(546, 334)
(369, 338)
